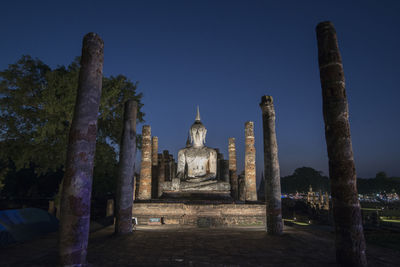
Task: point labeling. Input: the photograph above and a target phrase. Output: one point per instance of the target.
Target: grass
(386, 219)
(297, 222)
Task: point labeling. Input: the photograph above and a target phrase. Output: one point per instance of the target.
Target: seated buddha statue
(197, 163)
(197, 168)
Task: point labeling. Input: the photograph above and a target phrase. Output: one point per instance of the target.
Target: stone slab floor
(172, 246)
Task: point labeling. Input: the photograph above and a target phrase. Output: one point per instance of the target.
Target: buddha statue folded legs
(197, 164)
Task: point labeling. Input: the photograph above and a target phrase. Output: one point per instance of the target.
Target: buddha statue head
(198, 132)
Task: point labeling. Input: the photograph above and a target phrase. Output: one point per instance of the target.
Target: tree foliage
(302, 178)
(36, 109)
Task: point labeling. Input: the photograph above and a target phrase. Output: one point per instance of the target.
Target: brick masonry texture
(202, 215)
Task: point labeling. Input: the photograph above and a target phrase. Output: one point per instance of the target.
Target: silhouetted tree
(381, 175)
(302, 178)
(36, 108)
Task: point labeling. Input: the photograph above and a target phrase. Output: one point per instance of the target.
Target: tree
(381, 175)
(36, 108)
(302, 178)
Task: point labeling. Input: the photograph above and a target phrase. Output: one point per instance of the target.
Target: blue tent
(25, 224)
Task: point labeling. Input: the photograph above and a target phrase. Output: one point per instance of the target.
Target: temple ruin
(201, 187)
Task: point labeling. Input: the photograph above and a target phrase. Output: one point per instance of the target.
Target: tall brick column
(172, 166)
(145, 170)
(161, 174)
(350, 242)
(271, 168)
(241, 187)
(167, 165)
(250, 163)
(154, 167)
(233, 169)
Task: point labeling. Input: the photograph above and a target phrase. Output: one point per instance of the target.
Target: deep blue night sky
(223, 56)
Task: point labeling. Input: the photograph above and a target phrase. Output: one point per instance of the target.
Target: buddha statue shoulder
(196, 162)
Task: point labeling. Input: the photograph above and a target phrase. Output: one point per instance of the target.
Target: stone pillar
(350, 242)
(261, 189)
(271, 168)
(77, 182)
(233, 169)
(126, 171)
(154, 167)
(171, 167)
(175, 165)
(250, 163)
(161, 174)
(241, 187)
(167, 166)
(145, 171)
(225, 170)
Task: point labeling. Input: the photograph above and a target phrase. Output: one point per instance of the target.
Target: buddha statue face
(198, 134)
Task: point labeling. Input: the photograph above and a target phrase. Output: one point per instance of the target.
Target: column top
(248, 124)
(325, 25)
(146, 130)
(266, 100)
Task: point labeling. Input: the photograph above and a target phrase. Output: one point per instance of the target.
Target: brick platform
(201, 213)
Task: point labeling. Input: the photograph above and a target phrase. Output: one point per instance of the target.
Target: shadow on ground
(172, 246)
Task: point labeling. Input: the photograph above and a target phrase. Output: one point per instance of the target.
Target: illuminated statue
(196, 162)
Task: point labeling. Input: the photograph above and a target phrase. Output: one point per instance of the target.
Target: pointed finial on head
(198, 114)
(188, 141)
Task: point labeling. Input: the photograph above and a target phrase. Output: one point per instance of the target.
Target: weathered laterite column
(241, 187)
(271, 168)
(350, 242)
(233, 169)
(225, 170)
(154, 166)
(167, 165)
(77, 182)
(250, 163)
(161, 174)
(145, 171)
(125, 180)
(172, 167)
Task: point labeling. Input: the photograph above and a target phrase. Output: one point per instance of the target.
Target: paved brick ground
(170, 246)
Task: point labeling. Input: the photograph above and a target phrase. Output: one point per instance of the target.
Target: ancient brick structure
(172, 166)
(250, 163)
(201, 214)
(154, 166)
(241, 187)
(271, 168)
(233, 169)
(167, 165)
(220, 158)
(225, 170)
(161, 174)
(145, 171)
(350, 242)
